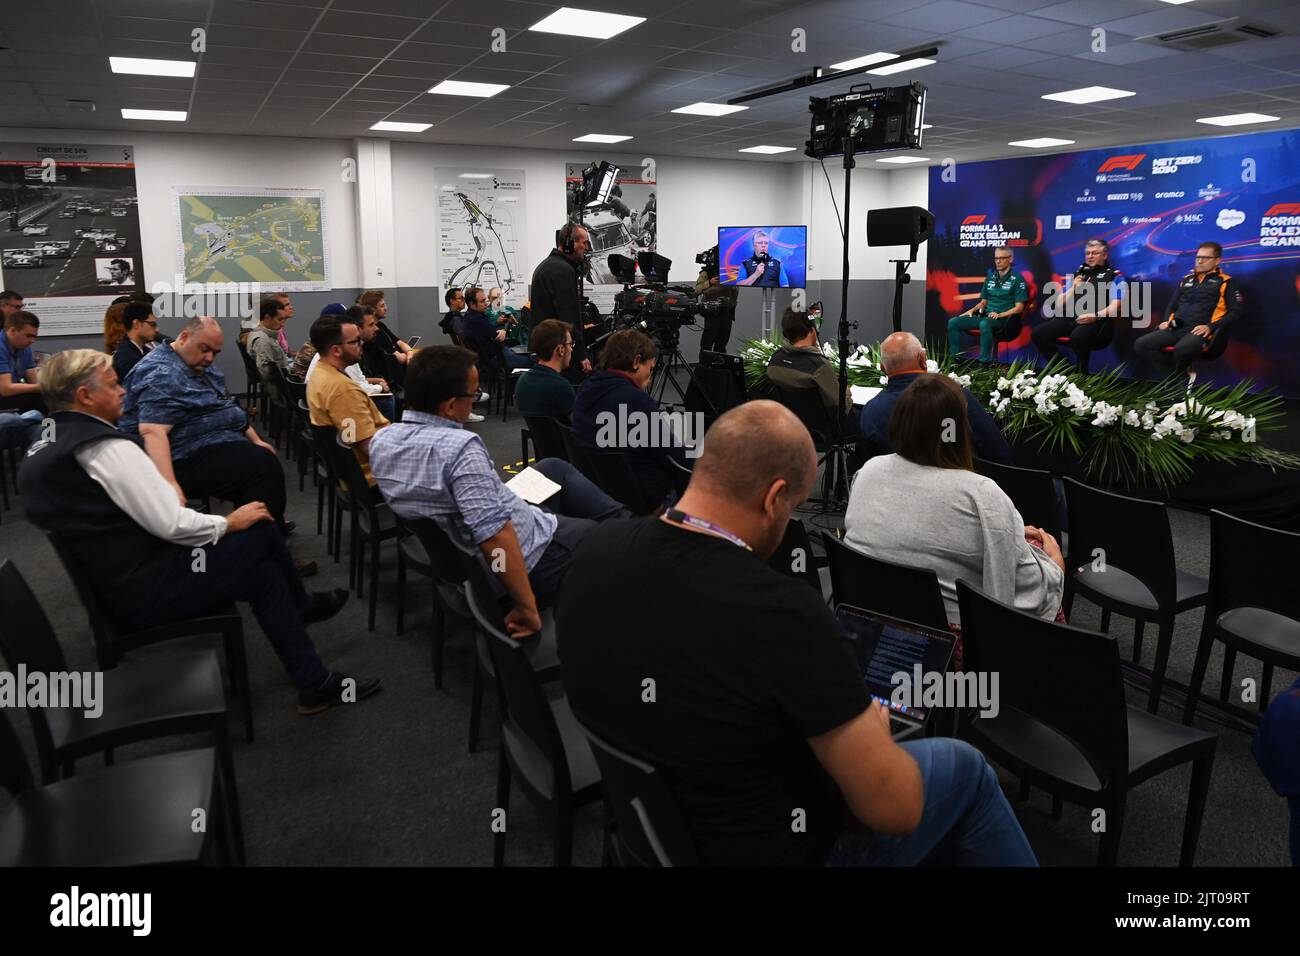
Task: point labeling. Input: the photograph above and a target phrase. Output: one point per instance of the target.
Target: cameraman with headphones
(717, 328)
(554, 294)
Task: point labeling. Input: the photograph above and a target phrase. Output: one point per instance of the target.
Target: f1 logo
(1284, 209)
(1122, 162)
(972, 220)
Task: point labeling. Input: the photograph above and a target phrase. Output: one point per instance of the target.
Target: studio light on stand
(860, 121)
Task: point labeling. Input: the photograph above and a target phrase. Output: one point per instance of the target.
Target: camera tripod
(668, 341)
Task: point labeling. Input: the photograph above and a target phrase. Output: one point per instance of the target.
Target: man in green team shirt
(1003, 295)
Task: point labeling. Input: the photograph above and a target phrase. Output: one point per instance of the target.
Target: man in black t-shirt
(747, 697)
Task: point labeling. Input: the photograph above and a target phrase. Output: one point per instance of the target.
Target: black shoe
(324, 605)
(339, 689)
(304, 566)
(288, 528)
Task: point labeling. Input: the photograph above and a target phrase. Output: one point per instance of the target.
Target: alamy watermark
(74, 690)
(931, 689)
(221, 300)
(658, 429)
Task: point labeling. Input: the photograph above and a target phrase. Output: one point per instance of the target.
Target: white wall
(695, 196)
(164, 160)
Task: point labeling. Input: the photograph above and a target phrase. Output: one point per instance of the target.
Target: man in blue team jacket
(903, 358)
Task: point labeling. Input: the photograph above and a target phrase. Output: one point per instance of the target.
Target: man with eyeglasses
(141, 330)
(1205, 303)
(1003, 295)
(333, 398)
(543, 391)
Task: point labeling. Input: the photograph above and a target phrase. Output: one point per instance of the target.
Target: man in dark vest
(150, 559)
(554, 292)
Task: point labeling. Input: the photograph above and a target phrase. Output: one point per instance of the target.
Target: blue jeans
(966, 821)
(578, 504)
(19, 429)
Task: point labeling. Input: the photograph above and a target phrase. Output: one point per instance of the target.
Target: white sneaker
(474, 417)
(482, 397)
(1191, 379)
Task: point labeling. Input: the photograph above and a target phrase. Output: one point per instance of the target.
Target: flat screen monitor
(765, 257)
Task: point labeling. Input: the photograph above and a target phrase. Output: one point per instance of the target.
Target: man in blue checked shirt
(429, 466)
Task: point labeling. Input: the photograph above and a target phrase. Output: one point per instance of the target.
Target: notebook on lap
(884, 646)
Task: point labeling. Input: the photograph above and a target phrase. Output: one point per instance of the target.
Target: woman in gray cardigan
(924, 506)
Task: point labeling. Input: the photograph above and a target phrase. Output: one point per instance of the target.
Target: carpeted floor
(389, 781)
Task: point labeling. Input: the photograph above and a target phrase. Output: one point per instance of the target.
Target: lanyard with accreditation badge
(674, 516)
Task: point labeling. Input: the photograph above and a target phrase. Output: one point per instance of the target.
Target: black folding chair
(372, 521)
(1063, 722)
(142, 700)
(894, 590)
(542, 748)
(833, 449)
(112, 642)
(648, 827)
(544, 432)
(1121, 558)
(125, 815)
(615, 477)
(442, 560)
(1253, 605)
(1031, 490)
(794, 556)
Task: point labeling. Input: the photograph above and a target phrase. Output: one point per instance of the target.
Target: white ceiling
(331, 68)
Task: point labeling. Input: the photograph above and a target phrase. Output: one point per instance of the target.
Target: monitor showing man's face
(760, 244)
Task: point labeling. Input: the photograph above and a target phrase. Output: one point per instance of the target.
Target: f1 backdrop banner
(627, 225)
(1153, 203)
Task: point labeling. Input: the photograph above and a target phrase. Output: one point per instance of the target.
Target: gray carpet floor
(389, 781)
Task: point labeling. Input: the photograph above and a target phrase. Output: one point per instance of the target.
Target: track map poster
(1154, 203)
(272, 236)
(481, 227)
(69, 231)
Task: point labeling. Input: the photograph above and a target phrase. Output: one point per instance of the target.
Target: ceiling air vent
(1209, 36)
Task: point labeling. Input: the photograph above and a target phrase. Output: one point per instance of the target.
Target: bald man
(902, 358)
(195, 432)
(759, 709)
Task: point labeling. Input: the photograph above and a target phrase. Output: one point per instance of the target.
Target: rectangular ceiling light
(902, 66)
(600, 138)
(1237, 119)
(766, 150)
(475, 176)
(709, 109)
(393, 126)
(586, 23)
(1042, 142)
(131, 64)
(464, 88)
(867, 60)
(171, 116)
(900, 160)
(1088, 94)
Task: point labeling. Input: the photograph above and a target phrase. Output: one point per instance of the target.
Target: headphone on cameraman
(564, 238)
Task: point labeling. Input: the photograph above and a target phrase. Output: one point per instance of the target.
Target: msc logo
(1122, 162)
(972, 220)
(1284, 209)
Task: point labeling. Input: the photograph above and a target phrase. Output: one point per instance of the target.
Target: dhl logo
(1122, 162)
(972, 220)
(1284, 209)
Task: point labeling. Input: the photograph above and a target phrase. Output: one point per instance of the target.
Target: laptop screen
(884, 646)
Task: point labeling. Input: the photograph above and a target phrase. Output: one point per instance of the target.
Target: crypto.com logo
(1122, 162)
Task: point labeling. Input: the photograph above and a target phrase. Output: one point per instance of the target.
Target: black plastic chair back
(807, 405)
(614, 476)
(649, 827)
(15, 772)
(444, 557)
(794, 555)
(1066, 677)
(1031, 490)
(894, 590)
(27, 638)
(1121, 532)
(526, 706)
(1249, 567)
(546, 437)
(578, 456)
(342, 461)
(101, 624)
